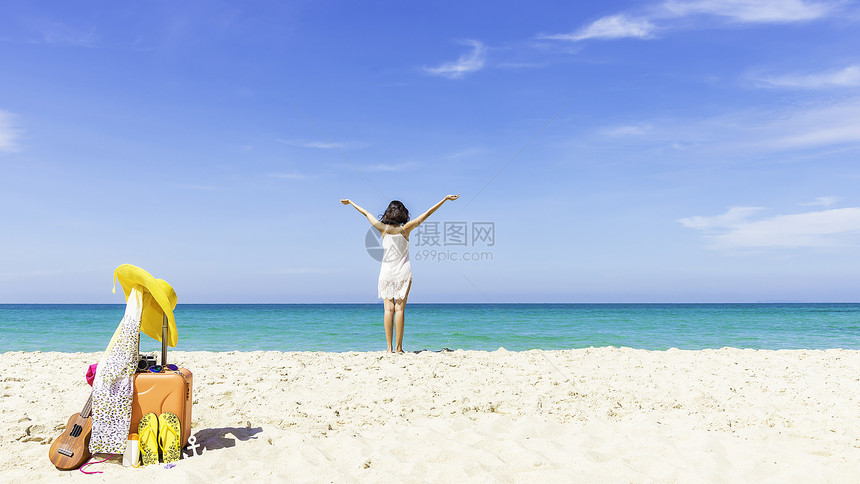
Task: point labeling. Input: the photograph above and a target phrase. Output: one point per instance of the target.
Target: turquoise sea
(516, 327)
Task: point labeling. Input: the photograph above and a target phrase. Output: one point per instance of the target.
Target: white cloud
(642, 26)
(62, 34)
(322, 145)
(9, 133)
(747, 133)
(821, 202)
(751, 11)
(835, 124)
(733, 217)
(847, 77)
(48, 31)
(611, 27)
(465, 153)
(467, 63)
(734, 229)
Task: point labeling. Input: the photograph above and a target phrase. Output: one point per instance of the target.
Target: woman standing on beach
(395, 276)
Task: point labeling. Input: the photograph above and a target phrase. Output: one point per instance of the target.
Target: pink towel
(91, 373)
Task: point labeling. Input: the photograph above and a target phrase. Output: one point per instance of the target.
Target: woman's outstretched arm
(373, 220)
(421, 218)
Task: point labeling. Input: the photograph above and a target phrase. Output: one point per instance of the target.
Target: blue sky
(666, 151)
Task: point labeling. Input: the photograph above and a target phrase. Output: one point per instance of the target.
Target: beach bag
(165, 391)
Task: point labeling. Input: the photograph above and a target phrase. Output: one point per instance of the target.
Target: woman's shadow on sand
(214, 439)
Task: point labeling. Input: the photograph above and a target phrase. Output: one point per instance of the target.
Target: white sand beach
(588, 415)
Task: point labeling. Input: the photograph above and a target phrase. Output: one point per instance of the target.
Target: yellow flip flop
(168, 437)
(148, 431)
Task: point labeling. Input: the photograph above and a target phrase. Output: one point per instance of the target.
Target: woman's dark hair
(395, 214)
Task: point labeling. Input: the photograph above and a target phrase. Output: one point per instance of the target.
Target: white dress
(396, 271)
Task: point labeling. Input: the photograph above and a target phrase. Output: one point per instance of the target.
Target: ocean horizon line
(514, 326)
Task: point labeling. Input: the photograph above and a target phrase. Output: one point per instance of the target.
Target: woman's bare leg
(388, 321)
(400, 317)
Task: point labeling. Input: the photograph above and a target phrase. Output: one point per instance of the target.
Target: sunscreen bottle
(132, 451)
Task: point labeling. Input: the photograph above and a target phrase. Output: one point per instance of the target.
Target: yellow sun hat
(158, 299)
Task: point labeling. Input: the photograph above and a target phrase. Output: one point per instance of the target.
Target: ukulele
(71, 449)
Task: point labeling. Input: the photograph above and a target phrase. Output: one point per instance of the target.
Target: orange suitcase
(163, 392)
(169, 391)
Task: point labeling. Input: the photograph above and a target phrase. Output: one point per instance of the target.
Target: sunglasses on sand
(160, 368)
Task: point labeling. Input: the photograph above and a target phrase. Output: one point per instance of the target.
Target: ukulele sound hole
(76, 430)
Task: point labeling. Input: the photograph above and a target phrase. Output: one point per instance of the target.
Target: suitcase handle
(164, 341)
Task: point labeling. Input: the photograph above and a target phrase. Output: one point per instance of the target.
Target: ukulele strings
(67, 437)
